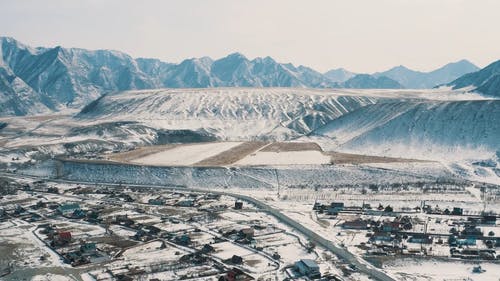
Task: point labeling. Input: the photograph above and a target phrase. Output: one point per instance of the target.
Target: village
(126, 233)
(423, 231)
(121, 232)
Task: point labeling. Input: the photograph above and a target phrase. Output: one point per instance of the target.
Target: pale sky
(359, 35)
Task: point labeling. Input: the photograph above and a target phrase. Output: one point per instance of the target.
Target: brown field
(291, 146)
(232, 155)
(347, 158)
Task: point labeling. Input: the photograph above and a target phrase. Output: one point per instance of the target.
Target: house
(88, 248)
(355, 224)
(53, 190)
(246, 232)
(469, 241)
(194, 258)
(212, 196)
(78, 214)
(156, 201)
(18, 210)
(490, 220)
(469, 253)
(183, 240)
(317, 206)
(308, 268)
(390, 226)
(62, 238)
(236, 274)
(125, 197)
(152, 230)
(238, 205)
(68, 209)
(186, 203)
(207, 248)
(382, 236)
(472, 231)
(335, 208)
(421, 238)
(47, 229)
(123, 220)
(457, 211)
(92, 216)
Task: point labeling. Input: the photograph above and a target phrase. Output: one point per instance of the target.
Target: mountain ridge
(39, 80)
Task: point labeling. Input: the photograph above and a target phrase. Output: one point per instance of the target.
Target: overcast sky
(360, 35)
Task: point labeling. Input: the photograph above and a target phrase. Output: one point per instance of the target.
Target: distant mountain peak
(339, 75)
(420, 80)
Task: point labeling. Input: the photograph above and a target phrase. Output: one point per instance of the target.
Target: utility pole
(277, 181)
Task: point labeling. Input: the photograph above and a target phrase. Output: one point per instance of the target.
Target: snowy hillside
(265, 113)
(455, 123)
(485, 81)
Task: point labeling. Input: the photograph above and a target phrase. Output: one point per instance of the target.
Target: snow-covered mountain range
(41, 80)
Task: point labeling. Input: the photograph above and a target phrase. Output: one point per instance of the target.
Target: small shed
(68, 209)
(307, 267)
(238, 205)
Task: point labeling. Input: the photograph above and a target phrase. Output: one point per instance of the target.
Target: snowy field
(438, 270)
(186, 154)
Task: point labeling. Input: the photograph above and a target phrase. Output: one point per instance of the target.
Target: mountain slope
(421, 80)
(17, 98)
(71, 77)
(485, 81)
(396, 128)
